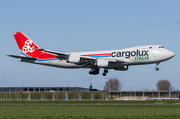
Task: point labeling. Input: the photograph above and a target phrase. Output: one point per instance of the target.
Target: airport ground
(89, 112)
(83, 105)
(90, 109)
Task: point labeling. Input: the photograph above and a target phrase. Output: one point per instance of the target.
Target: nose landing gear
(157, 68)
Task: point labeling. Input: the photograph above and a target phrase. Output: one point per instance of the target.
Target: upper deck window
(161, 47)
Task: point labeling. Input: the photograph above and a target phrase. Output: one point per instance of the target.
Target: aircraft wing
(120, 61)
(66, 55)
(87, 62)
(88, 59)
(60, 54)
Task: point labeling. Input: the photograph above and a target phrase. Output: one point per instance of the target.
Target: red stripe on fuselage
(96, 54)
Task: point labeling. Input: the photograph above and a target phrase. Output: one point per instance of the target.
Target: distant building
(42, 89)
(145, 95)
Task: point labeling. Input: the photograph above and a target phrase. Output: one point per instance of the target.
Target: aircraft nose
(170, 54)
(167, 54)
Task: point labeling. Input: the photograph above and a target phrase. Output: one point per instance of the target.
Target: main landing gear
(157, 68)
(105, 71)
(94, 71)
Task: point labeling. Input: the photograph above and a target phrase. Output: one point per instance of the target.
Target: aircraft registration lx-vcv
(109, 59)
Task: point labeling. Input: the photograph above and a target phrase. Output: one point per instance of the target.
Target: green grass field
(90, 112)
(94, 101)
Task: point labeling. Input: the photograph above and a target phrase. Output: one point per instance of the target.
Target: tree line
(115, 84)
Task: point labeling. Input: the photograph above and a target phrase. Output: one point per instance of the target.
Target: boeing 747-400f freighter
(110, 59)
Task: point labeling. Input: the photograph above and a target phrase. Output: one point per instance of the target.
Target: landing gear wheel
(157, 69)
(94, 71)
(105, 71)
(104, 74)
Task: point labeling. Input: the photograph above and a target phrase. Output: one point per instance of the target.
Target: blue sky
(68, 26)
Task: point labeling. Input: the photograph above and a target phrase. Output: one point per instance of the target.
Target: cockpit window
(161, 47)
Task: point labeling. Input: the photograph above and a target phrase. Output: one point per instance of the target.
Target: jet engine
(102, 63)
(74, 59)
(123, 68)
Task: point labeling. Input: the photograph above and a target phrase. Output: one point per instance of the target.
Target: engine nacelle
(102, 63)
(74, 59)
(123, 68)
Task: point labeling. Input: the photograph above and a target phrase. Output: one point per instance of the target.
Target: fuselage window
(161, 47)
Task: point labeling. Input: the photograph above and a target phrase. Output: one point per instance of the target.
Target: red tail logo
(28, 47)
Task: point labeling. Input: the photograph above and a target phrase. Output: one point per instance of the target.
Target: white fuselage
(117, 58)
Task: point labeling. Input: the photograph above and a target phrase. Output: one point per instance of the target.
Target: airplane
(118, 60)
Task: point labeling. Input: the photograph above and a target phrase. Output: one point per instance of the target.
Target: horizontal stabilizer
(23, 57)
